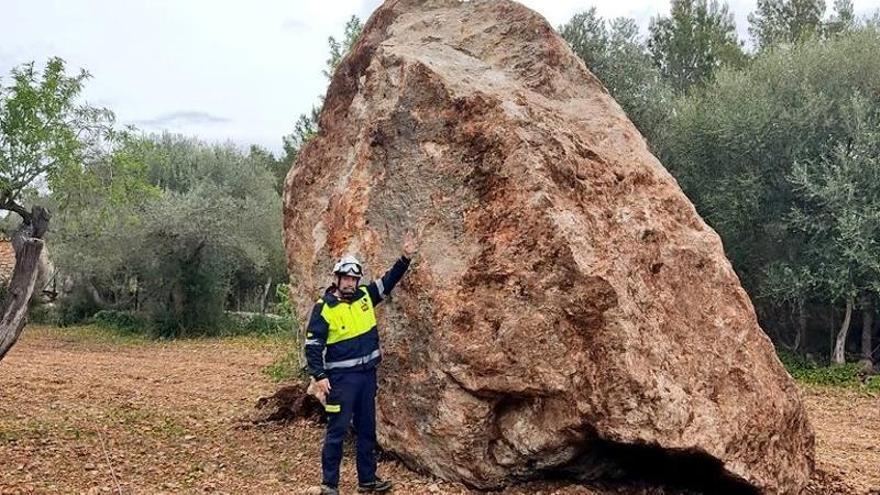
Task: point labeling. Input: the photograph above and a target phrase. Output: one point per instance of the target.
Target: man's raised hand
(411, 241)
(409, 245)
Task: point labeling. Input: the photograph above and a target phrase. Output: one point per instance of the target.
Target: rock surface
(569, 311)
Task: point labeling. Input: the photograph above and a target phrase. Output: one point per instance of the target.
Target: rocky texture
(569, 311)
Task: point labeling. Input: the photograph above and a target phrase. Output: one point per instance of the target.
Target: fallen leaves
(151, 418)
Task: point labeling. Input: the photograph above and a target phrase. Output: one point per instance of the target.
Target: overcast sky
(223, 69)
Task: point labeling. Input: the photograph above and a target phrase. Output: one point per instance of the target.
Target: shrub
(836, 375)
(289, 366)
(256, 324)
(44, 314)
(124, 321)
(75, 308)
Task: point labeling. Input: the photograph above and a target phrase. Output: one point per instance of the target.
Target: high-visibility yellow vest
(349, 320)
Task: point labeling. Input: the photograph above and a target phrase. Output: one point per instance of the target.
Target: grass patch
(835, 375)
(235, 324)
(121, 327)
(86, 334)
(103, 336)
(121, 321)
(31, 429)
(8, 435)
(287, 366)
(144, 421)
(230, 324)
(289, 363)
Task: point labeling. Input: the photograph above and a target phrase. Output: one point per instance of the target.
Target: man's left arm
(383, 285)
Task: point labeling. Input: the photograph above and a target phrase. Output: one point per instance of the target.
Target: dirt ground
(83, 412)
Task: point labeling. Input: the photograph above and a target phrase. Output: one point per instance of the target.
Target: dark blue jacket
(348, 349)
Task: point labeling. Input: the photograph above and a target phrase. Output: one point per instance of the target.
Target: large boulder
(569, 311)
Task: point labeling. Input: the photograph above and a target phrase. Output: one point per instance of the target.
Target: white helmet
(348, 265)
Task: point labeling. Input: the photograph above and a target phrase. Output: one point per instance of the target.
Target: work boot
(379, 485)
(329, 490)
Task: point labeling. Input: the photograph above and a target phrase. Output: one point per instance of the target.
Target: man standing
(342, 350)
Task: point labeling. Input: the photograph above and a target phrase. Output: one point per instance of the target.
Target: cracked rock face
(566, 296)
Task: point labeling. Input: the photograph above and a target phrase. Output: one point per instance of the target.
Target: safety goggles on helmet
(351, 269)
(350, 266)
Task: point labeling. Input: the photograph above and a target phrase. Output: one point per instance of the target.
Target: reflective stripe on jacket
(342, 335)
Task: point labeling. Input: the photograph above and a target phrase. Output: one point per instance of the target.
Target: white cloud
(182, 118)
(248, 68)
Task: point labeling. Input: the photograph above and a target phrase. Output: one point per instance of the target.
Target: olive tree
(738, 146)
(44, 131)
(839, 212)
(615, 53)
(170, 226)
(695, 40)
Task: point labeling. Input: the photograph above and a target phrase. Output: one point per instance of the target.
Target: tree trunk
(176, 299)
(840, 342)
(28, 244)
(800, 340)
(265, 296)
(95, 294)
(867, 329)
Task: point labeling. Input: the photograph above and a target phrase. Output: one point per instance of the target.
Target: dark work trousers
(355, 393)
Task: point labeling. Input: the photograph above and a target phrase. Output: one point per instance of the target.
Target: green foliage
(291, 364)
(204, 218)
(43, 130)
(76, 307)
(284, 305)
(843, 20)
(121, 176)
(304, 129)
(266, 159)
(262, 325)
(44, 133)
(227, 325)
(43, 314)
(836, 375)
(122, 321)
(339, 49)
(781, 158)
(786, 22)
(837, 210)
(615, 54)
(163, 224)
(734, 144)
(697, 38)
(100, 205)
(258, 324)
(288, 366)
